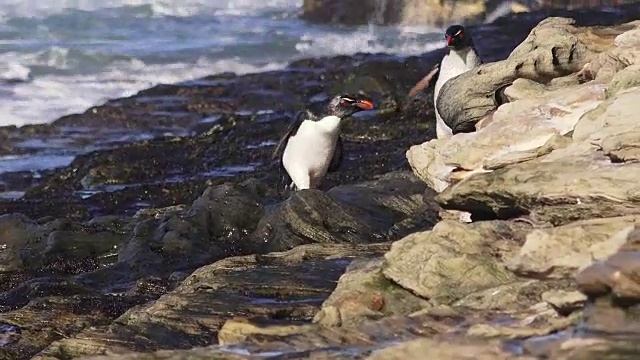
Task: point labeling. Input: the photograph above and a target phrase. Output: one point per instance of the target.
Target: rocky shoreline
(165, 237)
(437, 13)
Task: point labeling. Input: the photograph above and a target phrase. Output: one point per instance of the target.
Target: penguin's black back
(292, 129)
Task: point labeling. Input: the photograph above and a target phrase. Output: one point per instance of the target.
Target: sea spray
(64, 57)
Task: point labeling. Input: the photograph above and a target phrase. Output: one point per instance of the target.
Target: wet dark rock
(39, 287)
(159, 212)
(57, 244)
(16, 231)
(229, 220)
(276, 286)
(9, 334)
(47, 319)
(73, 245)
(211, 229)
(357, 214)
(114, 223)
(158, 249)
(612, 287)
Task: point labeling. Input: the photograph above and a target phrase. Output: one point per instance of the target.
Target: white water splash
(62, 57)
(48, 98)
(183, 8)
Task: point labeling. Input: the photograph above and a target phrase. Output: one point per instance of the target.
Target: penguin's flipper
(338, 156)
(424, 83)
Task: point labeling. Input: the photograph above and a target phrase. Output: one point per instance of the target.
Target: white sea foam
(31, 163)
(365, 40)
(180, 8)
(61, 57)
(47, 98)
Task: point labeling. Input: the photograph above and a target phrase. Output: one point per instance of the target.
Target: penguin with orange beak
(311, 146)
(461, 58)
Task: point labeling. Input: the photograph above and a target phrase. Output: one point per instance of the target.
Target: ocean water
(64, 56)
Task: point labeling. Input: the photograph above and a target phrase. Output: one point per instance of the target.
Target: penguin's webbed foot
(287, 189)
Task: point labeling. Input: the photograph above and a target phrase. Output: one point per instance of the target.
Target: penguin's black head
(457, 38)
(346, 104)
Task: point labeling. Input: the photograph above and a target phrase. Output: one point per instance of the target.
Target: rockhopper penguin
(461, 58)
(311, 146)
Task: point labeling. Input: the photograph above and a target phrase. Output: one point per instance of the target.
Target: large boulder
(369, 212)
(423, 12)
(555, 48)
(352, 12)
(560, 150)
(610, 326)
(579, 177)
(453, 260)
(559, 252)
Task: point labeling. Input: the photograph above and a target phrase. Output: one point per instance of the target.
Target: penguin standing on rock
(312, 146)
(461, 58)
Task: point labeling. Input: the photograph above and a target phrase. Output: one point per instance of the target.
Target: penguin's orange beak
(449, 39)
(364, 104)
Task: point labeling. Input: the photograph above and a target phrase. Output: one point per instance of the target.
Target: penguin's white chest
(452, 65)
(308, 153)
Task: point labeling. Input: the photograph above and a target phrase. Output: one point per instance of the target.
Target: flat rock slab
(374, 211)
(560, 252)
(453, 260)
(428, 332)
(541, 119)
(277, 286)
(570, 184)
